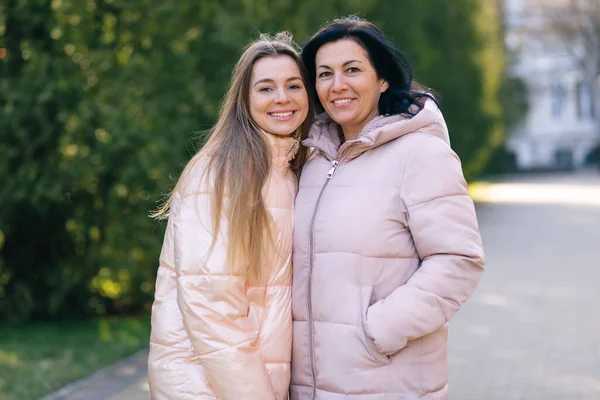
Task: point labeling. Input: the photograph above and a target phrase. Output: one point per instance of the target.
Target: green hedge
(103, 102)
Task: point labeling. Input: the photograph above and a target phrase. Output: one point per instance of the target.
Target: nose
(281, 95)
(339, 83)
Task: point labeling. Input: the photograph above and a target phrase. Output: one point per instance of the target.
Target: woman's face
(347, 85)
(278, 97)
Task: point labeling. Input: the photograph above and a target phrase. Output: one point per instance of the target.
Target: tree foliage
(103, 102)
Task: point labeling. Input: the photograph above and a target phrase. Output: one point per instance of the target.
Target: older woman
(386, 242)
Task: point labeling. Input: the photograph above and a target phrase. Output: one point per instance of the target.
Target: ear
(383, 85)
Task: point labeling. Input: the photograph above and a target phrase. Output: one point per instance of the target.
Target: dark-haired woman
(386, 242)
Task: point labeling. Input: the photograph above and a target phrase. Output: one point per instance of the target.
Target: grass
(37, 359)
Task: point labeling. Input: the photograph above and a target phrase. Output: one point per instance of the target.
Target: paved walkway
(531, 331)
(125, 380)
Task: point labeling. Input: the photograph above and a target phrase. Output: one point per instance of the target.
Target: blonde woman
(221, 319)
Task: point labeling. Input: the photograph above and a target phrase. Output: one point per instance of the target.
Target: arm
(214, 306)
(442, 221)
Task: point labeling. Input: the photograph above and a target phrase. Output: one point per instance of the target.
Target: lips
(281, 114)
(341, 102)
(284, 115)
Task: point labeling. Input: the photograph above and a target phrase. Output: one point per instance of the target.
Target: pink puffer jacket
(386, 250)
(213, 335)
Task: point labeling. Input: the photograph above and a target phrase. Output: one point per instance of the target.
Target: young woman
(386, 242)
(221, 319)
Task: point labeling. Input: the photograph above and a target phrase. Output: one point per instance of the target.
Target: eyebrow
(343, 65)
(269, 80)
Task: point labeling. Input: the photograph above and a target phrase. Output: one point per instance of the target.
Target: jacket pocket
(366, 299)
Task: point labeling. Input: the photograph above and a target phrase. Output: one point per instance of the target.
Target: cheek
(254, 115)
(302, 101)
(322, 90)
(256, 107)
(373, 92)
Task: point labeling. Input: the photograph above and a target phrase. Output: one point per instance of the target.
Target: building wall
(560, 128)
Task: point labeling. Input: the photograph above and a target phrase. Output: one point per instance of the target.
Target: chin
(341, 118)
(285, 130)
(283, 133)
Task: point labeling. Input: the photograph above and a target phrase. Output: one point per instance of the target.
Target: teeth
(342, 101)
(283, 114)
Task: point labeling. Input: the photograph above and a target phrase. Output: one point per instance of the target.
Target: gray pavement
(531, 331)
(126, 380)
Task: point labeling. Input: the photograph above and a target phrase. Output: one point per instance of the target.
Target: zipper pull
(334, 165)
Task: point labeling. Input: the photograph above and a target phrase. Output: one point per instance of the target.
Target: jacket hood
(323, 134)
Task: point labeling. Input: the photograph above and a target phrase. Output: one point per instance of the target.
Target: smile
(341, 102)
(284, 114)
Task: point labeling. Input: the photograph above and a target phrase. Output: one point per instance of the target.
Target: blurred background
(104, 101)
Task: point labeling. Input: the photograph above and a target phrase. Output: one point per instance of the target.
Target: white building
(560, 129)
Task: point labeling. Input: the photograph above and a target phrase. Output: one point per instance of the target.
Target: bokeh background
(104, 101)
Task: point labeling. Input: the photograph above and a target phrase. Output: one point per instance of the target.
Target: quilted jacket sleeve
(442, 221)
(214, 306)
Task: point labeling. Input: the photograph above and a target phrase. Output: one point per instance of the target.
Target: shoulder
(425, 144)
(414, 149)
(429, 153)
(432, 169)
(196, 177)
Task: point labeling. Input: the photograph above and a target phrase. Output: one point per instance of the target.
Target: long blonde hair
(239, 163)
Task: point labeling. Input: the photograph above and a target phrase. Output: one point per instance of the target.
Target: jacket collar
(283, 149)
(324, 136)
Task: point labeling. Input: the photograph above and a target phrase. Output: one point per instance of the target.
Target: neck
(352, 132)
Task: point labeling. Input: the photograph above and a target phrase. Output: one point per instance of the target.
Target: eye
(295, 86)
(325, 74)
(353, 70)
(265, 89)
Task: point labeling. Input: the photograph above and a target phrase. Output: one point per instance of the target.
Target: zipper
(334, 165)
(311, 239)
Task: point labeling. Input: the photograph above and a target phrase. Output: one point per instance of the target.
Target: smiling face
(278, 98)
(347, 85)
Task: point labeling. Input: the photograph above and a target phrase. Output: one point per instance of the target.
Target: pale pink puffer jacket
(213, 335)
(386, 250)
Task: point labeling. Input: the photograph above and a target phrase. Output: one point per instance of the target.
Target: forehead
(337, 53)
(275, 68)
